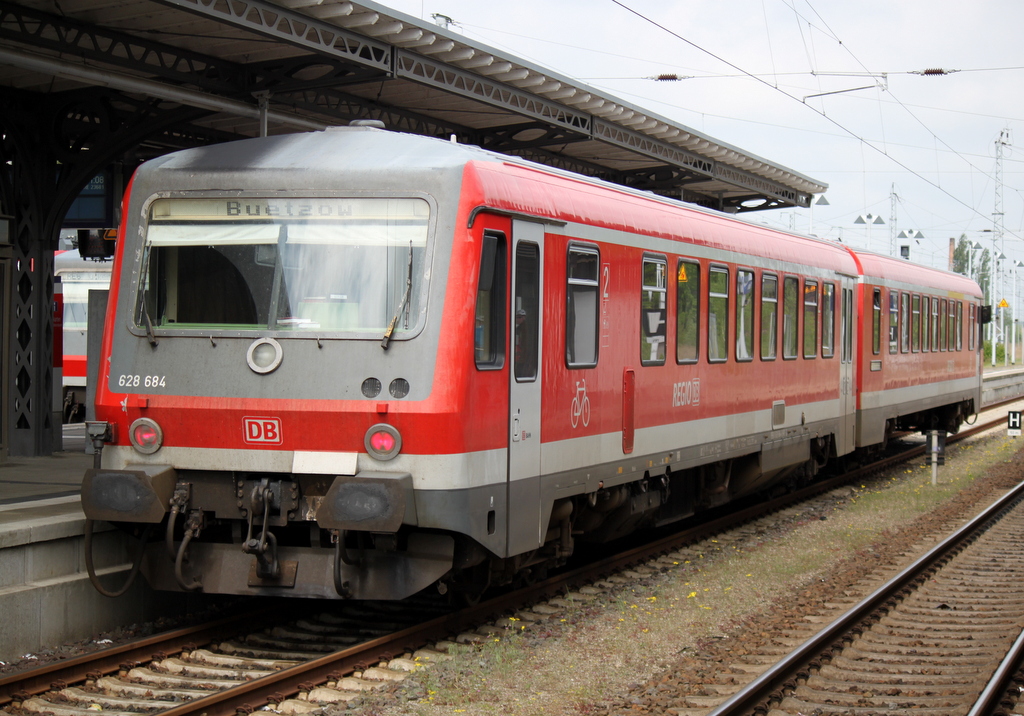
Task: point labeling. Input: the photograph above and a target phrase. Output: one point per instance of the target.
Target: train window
(687, 311)
(915, 323)
(876, 321)
(489, 327)
(971, 328)
(942, 325)
(904, 323)
(828, 320)
(527, 307)
(718, 314)
(581, 306)
(652, 310)
(810, 319)
(925, 312)
(958, 320)
(302, 265)
(76, 284)
(935, 324)
(769, 315)
(790, 313)
(951, 330)
(744, 315)
(894, 321)
(846, 334)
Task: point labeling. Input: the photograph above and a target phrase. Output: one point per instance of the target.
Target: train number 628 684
(148, 381)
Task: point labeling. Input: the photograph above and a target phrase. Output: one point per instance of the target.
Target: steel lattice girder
(327, 39)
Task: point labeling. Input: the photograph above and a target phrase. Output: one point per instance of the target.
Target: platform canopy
(313, 63)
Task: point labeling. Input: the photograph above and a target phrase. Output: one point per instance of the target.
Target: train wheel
(471, 585)
(953, 419)
(530, 576)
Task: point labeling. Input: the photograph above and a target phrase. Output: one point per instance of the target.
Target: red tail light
(383, 441)
(146, 436)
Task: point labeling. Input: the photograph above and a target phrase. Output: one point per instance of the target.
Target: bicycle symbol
(581, 404)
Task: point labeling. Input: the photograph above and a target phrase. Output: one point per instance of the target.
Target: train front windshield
(315, 265)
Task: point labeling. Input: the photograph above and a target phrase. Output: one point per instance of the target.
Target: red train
(359, 363)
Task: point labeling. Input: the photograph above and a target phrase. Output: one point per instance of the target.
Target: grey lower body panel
(871, 422)
(530, 500)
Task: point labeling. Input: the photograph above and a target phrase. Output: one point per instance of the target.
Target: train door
(524, 529)
(845, 441)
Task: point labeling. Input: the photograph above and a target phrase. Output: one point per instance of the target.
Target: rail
(38, 680)
(769, 685)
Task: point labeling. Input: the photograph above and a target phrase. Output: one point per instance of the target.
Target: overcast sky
(932, 138)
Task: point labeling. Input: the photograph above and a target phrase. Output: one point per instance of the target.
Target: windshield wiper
(275, 290)
(145, 304)
(401, 306)
(149, 324)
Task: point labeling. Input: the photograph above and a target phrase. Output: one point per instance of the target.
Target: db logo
(264, 431)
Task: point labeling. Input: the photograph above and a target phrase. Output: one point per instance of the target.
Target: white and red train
(77, 276)
(359, 363)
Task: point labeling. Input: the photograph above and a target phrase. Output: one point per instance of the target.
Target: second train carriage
(356, 363)
(920, 360)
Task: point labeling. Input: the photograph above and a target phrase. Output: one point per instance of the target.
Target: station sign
(93, 208)
(1013, 423)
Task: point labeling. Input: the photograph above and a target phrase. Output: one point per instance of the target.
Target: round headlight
(399, 388)
(146, 436)
(382, 441)
(371, 388)
(264, 355)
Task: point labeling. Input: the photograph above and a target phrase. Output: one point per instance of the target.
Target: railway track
(227, 660)
(331, 657)
(928, 638)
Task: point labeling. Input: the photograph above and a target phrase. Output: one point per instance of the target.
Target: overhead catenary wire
(928, 72)
(821, 113)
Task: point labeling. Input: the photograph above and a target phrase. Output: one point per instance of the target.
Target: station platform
(24, 479)
(46, 597)
(39, 496)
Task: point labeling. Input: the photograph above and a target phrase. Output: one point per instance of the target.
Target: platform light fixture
(869, 220)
